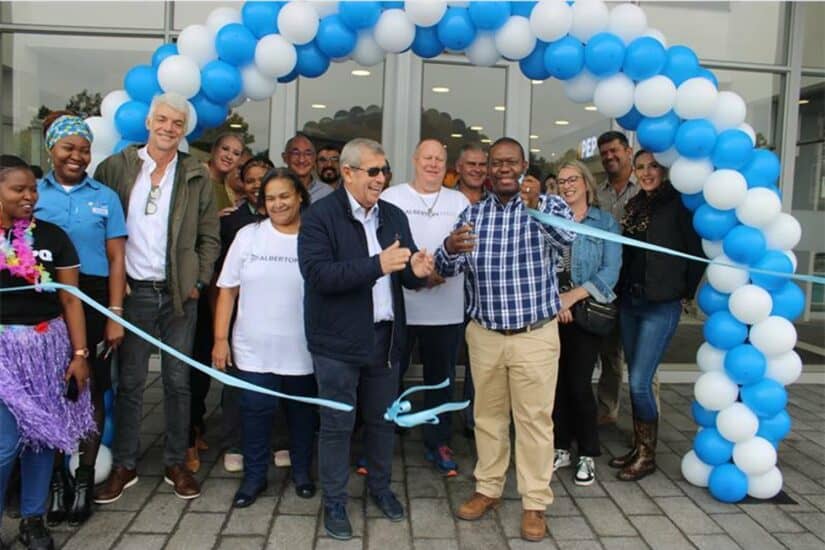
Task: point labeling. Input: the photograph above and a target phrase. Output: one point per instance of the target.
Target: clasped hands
(395, 258)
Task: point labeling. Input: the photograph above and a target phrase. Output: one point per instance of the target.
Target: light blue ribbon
(428, 416)
(582, 229)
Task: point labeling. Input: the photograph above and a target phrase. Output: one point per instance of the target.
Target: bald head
(430, 164)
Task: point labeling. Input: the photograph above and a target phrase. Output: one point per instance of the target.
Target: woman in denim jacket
(589, 269)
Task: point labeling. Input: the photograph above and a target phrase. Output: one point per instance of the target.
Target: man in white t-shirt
(435, 314)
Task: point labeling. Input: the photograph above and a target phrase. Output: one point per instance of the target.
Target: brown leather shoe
(533, 525)
(476, 506)
(119, 479)
(186, 486)
(192, 459)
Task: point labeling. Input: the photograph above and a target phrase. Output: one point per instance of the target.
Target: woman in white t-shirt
(269, 346)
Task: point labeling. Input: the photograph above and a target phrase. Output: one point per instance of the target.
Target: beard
(328, 175)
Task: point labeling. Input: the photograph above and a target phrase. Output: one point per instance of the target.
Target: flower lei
(17, 254)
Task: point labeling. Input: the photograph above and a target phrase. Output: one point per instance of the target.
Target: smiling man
(299, 156)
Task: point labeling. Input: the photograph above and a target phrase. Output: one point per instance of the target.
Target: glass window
(131, 14)
(729, 31)
(763, 94)
(345, 103)
(250, 119)
(195, 13)
(809, 175)
(813, 45)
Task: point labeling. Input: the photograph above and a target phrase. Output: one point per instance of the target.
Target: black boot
(84, 484)
(59, 497)
(34, 535)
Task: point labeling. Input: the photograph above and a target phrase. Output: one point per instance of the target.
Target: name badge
(100, 210)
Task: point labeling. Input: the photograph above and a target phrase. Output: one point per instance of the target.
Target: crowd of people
(319, 279)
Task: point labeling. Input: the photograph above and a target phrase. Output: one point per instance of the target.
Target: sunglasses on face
(374, 171)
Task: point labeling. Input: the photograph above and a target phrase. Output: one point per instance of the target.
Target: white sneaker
(233, 461)
(585, 471)
(562, 459)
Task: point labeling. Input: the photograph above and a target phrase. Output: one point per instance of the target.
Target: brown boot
(629, 456)
(192, 459)
(533, 525)
(477, 506)
(644, 462)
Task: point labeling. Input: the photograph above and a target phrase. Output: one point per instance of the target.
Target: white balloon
(240, 99)
(750, 304)
(483, 52)
(298, 22)
(667, 157)
(725, 189)
(785, 368)
(590, 17)
(737, 423)
(515, 39)
(783, 233)
(792, 257)
(183, 146)
(257, 86)
(709, 358)
(773, 336)
(613, 96)
(367, 52)
(274, 56)
(756, 456)
(551, 19)
(695, 98)
(179, 74)
(458, 4)
(694, 470)
(105, 135)
(726, 279)
(765, 486)
(222, 16)
(760, 207)
(103, 464)
(655, 96)
(580, 88)
(657, 35)
(324, 7)
(425, 13)
(712, 249)
(689, 175)
(197, 42)
(748, 129)
(111, 103)
(730, 111)
(627, 21)
(191, 119)
(394, 31)
(715, 391)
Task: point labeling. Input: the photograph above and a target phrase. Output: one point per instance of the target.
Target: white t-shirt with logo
(431, 217)
(269, 332)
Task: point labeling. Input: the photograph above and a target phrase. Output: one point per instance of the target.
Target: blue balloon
(745, 364)
(426, 43)
(392, 5)
(744, 244)
(334, 38)
(123, 144)
(772, 260)
(523, 9)
(712, 224)
(695, 139)
(604, 54)
(489, 15)
(564, 58)
(533, 65)
(727, 483)
(210, 115)
(711, 300)
(694, 201)
(644, 58)
(681, 64)
(775, 428)
(220, 81)
(195, 133)
(788, 301)
(261, 17)
(733, 150)
(656, 134)
(162, 53)
(359, 15)
(711, 447)
(702, 416)
(456, 30)
(141, 83)
(631, 120)
(762, 170)
(292, 75)
(765, 398)
(723, 331)
(708, 74)
(312, 62)
(130, 120)
(108, 434)
(236, 44)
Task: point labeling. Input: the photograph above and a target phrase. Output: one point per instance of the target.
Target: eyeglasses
(572, 180)
(375, 170)
(328, 160)
(152, 201)
(308, 154)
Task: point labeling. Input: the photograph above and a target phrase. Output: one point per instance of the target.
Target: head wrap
(65, 126)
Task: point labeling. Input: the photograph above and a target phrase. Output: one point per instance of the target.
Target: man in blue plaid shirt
(509, 261)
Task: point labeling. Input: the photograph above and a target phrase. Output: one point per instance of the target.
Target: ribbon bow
(397, 409)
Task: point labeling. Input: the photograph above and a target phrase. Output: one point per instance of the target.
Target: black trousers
(199, 382)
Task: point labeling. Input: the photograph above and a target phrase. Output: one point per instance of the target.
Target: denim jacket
(595, 263)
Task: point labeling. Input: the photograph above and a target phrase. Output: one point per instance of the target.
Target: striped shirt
(511, 273)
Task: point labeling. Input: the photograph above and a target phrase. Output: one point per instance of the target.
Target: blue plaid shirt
(510, 275)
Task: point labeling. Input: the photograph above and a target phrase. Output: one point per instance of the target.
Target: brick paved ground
(661, 511)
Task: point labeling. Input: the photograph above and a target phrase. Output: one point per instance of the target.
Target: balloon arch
(609, 57)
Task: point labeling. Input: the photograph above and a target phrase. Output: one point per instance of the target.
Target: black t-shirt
(53, 251)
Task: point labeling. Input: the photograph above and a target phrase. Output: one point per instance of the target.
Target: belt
(535, 326)
(159, 286)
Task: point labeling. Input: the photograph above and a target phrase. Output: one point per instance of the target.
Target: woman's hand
(220, 354)
(113, 333)
(79, 370)
(565, 316)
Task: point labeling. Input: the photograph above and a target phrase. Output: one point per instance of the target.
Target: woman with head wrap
(92, 216)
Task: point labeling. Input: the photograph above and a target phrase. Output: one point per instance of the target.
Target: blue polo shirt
(89, 212)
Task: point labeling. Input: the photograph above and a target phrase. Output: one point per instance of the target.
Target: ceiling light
(591, 108)
(534, 136)
(804, 101)
(318, 106)
(441, 89)
(360, 72)
(486, 140)
(476, 128)
(537, 82)
(561, 122)
(236, 125)
(456, 135)
(499, 108)
(535, 150)
(552, 154)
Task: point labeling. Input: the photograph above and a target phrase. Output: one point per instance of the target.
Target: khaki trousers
(515, 373)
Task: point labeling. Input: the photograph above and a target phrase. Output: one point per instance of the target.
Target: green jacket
(194, 229)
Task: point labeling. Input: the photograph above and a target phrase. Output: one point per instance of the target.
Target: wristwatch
(84, 353)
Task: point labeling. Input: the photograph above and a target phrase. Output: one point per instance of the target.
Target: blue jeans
(257, 415)
(35, 468)
(647, 328)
